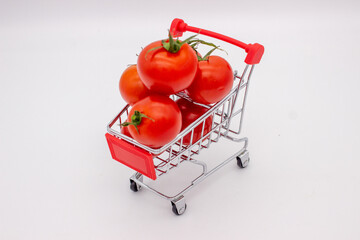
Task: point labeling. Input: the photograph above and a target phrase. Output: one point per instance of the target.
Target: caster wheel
(178, 205)
(133, 186)
(243, 160)
(178, 211)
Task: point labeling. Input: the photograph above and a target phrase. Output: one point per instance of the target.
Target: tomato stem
(171, 45)
(194, 44)
(136, 120)
(206, 57)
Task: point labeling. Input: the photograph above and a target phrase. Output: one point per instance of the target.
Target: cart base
(178, 201)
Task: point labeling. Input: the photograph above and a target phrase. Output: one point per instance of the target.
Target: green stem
(207, 55)
(171, 45)
(136, 120)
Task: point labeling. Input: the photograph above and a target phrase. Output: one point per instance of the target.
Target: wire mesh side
(179, 152)
(221, 114)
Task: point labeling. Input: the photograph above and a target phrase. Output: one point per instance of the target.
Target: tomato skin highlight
(164, 72)
(190, 112)
(132, 89)
(213, 81)
(162, 125)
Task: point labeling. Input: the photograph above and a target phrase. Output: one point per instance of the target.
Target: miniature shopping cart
(227, 117)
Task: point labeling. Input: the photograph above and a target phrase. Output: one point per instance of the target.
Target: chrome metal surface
(139, 177)
(244, 100)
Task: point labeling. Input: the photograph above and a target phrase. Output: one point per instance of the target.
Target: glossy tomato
(165, 72)
(154, 121)
(190, 112)
(132, 89)
(213, 81)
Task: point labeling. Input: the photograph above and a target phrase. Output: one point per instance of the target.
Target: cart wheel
(243, 159)
(178, 205)
(178, 211)
(133, 186)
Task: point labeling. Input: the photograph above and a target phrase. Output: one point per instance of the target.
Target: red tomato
(213, 81)
(165, 72)
(191, 112)
(157, 119)
(131, 87)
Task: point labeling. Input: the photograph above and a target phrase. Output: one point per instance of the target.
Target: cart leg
(178, 205)
(243, 159)
(133, 185)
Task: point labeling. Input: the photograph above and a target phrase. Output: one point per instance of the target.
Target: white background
(60, 62)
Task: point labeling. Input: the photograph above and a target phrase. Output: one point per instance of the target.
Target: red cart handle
(254, 51)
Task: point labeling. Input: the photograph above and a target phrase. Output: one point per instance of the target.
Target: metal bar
(202, 129)
(237, 112)
(244, 99)
(237, 92)
(212, 124)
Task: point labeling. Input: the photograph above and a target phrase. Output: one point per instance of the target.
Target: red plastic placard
(131, 156)
(254, 51)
